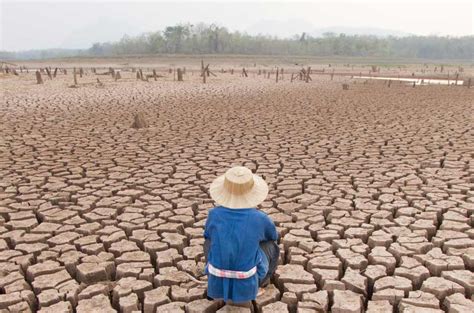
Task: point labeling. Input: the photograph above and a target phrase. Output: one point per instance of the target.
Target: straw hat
(238, 188)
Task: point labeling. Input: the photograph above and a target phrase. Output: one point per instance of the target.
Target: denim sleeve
(207, 235)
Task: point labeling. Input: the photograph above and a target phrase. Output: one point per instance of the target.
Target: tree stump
(139, 121)
(39, 79)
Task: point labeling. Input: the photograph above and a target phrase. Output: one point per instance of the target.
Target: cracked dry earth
(372, 192)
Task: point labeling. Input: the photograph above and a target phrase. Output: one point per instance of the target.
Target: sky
(40, 24)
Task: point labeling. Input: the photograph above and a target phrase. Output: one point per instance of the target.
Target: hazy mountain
(279, 28)
(103, 30)
(296, 27)
(380, 32)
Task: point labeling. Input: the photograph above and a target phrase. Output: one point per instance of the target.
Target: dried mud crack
(372, 192)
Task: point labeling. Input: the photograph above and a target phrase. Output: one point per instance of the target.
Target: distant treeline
(212, 39)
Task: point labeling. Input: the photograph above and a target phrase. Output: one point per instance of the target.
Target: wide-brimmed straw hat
(238, 188)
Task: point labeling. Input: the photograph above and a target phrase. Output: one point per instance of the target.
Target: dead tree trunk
(203, 73)
(308, 71)
(244, 72)
(75, 76)
(55, 72)
(49, 73)
(39, 79)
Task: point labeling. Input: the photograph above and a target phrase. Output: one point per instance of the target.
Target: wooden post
(55, 72)
(81, 72)
(154, 74)
(75, 77)
(39, 80)
(180, 75)
(138, 75)
(292, 74)
(277, 73)
(469, 83)
(457, 76)
(389, 83)
(244, 72)
(117, 75)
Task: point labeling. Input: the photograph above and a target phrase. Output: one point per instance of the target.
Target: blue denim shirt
(235, 235)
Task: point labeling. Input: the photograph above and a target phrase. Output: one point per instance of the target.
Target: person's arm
(269, 229)
(207, 235)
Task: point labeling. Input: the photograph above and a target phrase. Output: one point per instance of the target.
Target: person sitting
(240, 241)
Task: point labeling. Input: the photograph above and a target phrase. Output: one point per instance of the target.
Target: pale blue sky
(77, 24)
